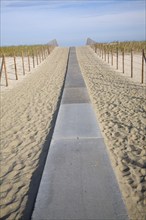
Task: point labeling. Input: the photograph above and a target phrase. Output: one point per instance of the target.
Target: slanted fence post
(5, 69)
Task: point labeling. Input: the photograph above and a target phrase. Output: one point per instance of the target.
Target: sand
(27, 112)
(120, 107)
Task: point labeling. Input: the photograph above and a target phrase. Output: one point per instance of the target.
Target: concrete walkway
(78, 181)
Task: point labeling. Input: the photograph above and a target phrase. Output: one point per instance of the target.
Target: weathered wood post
(112, 57)
(5, 69)
(99, 51)
(117, 53)
(42, 53)
(37, 57)
(104, 53)
(23, 66)
(33, 59)
(15, 67)
(28, 61)
(48, 50)
(108, 54)
(123, 60)
(131, 63)
(1, 67)
(142, 70)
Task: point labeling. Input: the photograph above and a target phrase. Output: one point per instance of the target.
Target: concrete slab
(76, 120)
(75, 95)
(74, 80)
(78, 183)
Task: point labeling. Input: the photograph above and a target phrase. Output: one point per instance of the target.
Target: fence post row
(41, 54)
(103, 51)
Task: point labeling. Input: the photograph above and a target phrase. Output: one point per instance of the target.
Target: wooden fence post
(5, 69)
(131, 63)
(45, 52)
(117, 52)
(142, 70)
(42, 53)
(1, 67)
(112, 57)
(99, 52)
(15, 66)
(48, 50)
(23, 66)
(123, 60)
(28, 61)
(37, 57)
(33, 59)
(108, 55)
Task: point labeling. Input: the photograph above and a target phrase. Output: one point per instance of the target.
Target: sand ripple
(26, 115)
(121, 110)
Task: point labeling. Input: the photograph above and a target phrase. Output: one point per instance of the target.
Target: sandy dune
(121, 110)
(26, 118)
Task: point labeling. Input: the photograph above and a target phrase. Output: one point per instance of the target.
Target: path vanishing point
(78, 181)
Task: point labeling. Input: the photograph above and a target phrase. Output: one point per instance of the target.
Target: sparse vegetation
(127, 46)
(17, 50)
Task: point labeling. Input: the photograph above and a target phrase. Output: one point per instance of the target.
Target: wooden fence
(118, 59)
(28, 62)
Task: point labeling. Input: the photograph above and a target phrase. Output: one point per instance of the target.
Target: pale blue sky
(71, 22)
